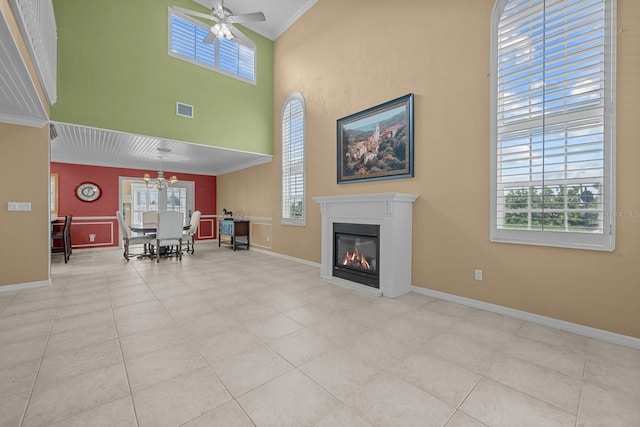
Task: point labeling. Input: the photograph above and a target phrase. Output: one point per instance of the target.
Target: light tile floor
(242, 338)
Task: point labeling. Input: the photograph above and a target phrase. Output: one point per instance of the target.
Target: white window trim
(293, 221)
(201, 64)
(600, 242)
(188, 186)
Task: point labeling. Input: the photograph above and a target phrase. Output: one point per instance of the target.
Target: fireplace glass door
(356, 253)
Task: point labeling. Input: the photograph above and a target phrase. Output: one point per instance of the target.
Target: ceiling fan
(224, 20)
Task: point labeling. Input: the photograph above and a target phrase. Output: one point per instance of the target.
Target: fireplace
(356, 253)
(391, 213)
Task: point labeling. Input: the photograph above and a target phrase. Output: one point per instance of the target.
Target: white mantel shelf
(393, 212)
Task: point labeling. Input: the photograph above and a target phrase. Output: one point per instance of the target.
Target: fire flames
(356, 260)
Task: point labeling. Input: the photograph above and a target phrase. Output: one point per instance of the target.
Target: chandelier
(160, 182)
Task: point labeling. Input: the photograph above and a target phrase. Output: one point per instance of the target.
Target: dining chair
(63, 235)
(190, 234)
(127, 239)
(169, 232)
(149, 217)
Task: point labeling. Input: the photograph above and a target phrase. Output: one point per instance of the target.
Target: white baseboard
(23, 286)
(575, 328)
(290, 258)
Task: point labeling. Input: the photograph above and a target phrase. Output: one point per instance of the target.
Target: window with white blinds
(186, 42)
(553, 123)
(293, 160)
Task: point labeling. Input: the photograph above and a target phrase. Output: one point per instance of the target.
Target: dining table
(149, 228)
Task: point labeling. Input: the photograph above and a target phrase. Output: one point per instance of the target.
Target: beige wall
(24, 162)
(367, 54)
(24, 252)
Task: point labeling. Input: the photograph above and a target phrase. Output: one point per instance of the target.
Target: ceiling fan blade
(193, 13)
(205, 3)
(247, 17)
(217, 6)
(210, 37)
(241, 37)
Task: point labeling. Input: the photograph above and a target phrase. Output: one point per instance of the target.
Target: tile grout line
(44, 350)
(584, 374)
(124, 363)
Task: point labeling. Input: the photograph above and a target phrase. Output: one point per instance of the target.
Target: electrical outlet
(478, 274)
(92, 238)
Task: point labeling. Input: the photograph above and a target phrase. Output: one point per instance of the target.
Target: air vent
(184, 110)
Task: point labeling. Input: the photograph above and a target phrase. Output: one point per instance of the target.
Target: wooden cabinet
(236, 233)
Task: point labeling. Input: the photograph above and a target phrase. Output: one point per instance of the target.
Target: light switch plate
(19, 206)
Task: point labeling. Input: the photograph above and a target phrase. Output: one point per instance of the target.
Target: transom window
(293, 160)
(553, 123)
(228, 57)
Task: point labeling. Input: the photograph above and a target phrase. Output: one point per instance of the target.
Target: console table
(234, 229)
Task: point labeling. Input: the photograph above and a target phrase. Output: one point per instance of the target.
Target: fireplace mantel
(394, 213)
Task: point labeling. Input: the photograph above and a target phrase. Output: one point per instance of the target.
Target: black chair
(64, 236)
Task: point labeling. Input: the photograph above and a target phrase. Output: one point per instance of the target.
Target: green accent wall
(114, 72)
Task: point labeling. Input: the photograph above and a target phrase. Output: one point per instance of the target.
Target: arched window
(293, 160)
(553, 123)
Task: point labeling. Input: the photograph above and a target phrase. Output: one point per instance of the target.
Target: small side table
(237, 231)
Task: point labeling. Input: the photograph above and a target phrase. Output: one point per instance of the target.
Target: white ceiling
(20, 104)
(19, 100)
(100, 147)
(279, 14)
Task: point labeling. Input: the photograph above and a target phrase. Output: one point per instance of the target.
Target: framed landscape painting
(377, 143)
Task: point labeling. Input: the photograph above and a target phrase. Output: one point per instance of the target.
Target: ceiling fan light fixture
(222, 31)
(223, 21)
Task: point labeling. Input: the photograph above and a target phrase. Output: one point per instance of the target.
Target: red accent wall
(108, 179)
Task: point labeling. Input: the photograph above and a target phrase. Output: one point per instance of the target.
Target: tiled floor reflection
(243, 338)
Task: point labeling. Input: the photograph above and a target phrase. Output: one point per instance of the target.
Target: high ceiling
(279, 14)
(103, 147)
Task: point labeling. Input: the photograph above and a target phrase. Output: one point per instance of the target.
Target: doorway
(136, 198)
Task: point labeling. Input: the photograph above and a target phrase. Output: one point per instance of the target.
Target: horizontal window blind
(551, 167)
(186, 41)
(246, 62)
(293, 158)
(205, 53)
(228, 56)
